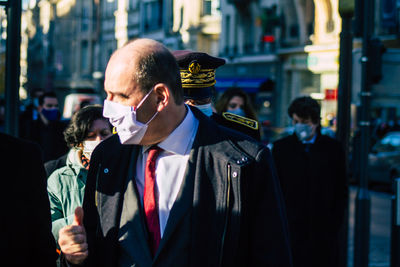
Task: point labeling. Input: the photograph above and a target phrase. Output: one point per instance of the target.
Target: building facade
(281, 50)
(249, 34)
(275, 50)
(69, 42)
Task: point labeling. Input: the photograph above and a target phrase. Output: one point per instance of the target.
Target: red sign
(331, 94)
(268, 38)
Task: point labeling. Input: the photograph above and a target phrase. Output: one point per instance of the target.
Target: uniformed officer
(198, 79)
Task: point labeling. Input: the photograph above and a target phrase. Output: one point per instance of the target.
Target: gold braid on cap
(203, 78)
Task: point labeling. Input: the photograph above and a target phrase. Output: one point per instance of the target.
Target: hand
(72, 239)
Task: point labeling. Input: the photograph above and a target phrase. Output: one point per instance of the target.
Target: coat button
(234, 174)
(106, 170)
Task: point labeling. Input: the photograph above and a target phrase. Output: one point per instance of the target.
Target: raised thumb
(78, 218)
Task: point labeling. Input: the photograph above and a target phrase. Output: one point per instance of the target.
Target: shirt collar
(179, 141)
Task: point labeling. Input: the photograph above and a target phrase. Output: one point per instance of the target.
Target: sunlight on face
(100, 130)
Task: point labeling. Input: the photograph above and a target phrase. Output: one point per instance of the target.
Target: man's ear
(163, 96)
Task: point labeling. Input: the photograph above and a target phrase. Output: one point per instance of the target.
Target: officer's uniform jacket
(229, 211)
(238, 123)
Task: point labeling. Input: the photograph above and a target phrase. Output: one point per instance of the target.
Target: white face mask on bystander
(89, 146)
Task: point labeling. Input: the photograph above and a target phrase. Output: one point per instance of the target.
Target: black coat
(49, 137)
(52, 165)
(236, 216)
(315, 191)
(25, 225)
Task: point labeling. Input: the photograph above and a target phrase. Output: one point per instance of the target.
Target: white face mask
(89, 146)
(303, 131)
(206, 109)
(123, 118)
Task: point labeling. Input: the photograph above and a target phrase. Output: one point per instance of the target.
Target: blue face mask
(206, 109)
(51, 114)
(237, 111)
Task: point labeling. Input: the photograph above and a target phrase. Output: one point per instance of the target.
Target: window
(389, 14)
(132, 4)
(85, 56)
(294, 30)
(152, 15)
(207, 7)
(85, 19)
(227, 34)
(109, 7)
(210, 7)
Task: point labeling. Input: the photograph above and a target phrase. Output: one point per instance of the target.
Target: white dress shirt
(170, 166)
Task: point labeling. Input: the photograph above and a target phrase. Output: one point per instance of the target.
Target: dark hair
(80, 124)
(305, 107)
(47, 94)
(160, 66)
(223, 102)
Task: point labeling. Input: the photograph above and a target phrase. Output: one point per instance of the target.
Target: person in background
(197, 71)
(236, 101)
(59, 162)
(172, 187)
(30, 112)
(312, 172)
(47, 129)
(66, 186)
(25, 226)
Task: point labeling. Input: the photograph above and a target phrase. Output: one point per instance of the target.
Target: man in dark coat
(312, 173)
(47, 129)
(218, 200)
(26, 237)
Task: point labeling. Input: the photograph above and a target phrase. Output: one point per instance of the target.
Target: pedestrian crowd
(165, 174)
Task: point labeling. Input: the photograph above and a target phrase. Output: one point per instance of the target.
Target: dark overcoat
(25, 224)
(315, 192)
(229, 212)
(49, 137)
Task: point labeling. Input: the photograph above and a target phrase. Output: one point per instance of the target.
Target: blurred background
(275, 50)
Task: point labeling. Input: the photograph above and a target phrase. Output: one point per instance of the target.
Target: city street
(285, 73)
(379, 255)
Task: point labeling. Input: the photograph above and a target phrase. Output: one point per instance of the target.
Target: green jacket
(66, 187)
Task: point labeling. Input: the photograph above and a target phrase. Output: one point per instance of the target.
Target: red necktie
(149, 199)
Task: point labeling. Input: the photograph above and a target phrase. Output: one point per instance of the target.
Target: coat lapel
(132, 233)
(182, 203)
